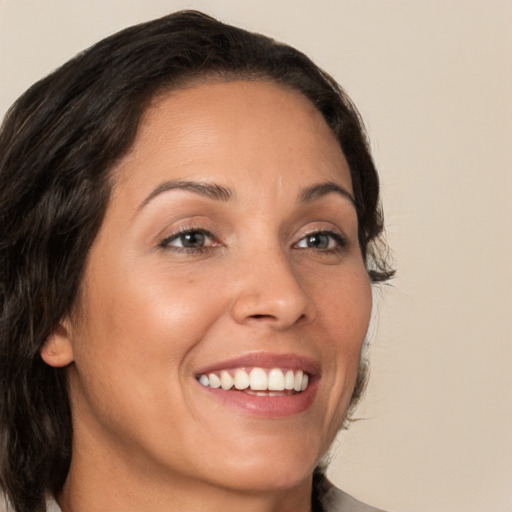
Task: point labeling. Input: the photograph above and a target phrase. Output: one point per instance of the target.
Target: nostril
(272, 317)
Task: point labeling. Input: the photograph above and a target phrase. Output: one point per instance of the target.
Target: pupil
(194, 239)
(318, 241)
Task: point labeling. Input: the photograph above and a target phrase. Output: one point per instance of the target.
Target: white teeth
(259, 381)
(305, 381)
(214, 381)
(276, 380)
(241, 379)
(226, 381)
(257, 393)
(289, 379)
(297, 384)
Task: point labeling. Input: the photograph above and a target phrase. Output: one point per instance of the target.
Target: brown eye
(192, 239)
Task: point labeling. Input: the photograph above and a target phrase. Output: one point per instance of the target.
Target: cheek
(151, 310)
(345, 307)
(136, 350)
(345, 314)
(132, 349)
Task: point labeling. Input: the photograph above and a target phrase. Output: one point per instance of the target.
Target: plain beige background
(433, 81)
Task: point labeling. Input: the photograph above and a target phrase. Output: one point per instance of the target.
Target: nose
(270, 292)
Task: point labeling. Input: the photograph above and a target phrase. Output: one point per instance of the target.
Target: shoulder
(335, 500)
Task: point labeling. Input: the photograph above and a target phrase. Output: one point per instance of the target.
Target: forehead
(233, 132)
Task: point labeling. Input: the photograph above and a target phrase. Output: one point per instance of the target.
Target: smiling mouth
(257, 381)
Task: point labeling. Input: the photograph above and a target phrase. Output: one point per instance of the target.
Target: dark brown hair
(57, 145)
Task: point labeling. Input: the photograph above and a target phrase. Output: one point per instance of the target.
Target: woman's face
(228, 256)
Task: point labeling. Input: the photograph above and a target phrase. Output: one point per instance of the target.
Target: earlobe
(57, 350)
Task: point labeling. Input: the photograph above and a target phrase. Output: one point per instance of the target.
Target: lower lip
(266, 406)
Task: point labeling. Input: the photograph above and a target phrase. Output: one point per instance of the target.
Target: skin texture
(151, 315)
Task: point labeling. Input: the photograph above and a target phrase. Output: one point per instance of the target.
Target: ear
(57, 350)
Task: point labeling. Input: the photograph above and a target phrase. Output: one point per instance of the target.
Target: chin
(268, 467)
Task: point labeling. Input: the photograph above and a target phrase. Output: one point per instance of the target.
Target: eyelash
(340, 241)
(164, 244)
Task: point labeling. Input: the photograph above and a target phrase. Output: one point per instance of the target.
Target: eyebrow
(322, 189)
(209, 190)
(221, 193)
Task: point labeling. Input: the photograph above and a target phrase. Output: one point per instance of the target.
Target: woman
(190, 226)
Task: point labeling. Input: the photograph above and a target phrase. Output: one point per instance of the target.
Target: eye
(322, 240)
(191, 239)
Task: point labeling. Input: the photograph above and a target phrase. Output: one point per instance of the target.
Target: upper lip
(266, 360)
